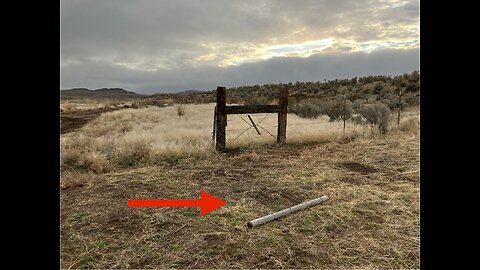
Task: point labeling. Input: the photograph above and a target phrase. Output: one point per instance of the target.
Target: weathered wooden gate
(222, 110)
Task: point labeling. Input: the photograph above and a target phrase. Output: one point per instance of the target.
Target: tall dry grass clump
(180, 109)
(80, 152)
(409, 123)
(71, 179)
(132, 152)
(95, 162)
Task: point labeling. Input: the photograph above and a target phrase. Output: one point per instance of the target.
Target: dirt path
(70, 121)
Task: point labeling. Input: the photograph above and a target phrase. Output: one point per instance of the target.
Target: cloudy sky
(153, 46)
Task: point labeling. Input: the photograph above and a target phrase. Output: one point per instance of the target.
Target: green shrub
(338, 109)
(259, 100)
(310, 108)
(373, 113)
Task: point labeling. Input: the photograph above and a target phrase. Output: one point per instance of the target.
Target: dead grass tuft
(95, 162)
(71, 156)
(132, 152)
(410, 124)
(71, 179)
(180, 109)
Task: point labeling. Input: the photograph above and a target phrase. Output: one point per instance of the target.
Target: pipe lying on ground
(279, 214)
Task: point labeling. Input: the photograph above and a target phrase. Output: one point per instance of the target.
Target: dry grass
(372, 180)
(299, 130)
(370, 221)
(152, 135)
(162, 129)
(180, 109)
(83, 104)
(71, 179)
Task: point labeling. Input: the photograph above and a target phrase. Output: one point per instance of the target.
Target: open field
(154, 134)
(372, 180)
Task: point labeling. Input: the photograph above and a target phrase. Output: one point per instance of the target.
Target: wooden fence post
(221, 121)
(399, 105)
(282, 116)
(214, 126)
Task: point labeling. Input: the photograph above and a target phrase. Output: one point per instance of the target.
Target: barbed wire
(275, 137)
(240, 134)
(244, 120)
(249, 127)
(264, 118)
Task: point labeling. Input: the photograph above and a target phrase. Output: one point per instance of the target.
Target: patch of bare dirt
(358, 167)
(70, 121)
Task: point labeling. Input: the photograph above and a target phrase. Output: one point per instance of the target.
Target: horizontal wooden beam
(234, 109)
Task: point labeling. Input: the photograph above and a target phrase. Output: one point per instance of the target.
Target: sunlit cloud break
(309, 48)
(304, 49)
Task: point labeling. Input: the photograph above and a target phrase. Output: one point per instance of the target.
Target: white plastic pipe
(279, 214)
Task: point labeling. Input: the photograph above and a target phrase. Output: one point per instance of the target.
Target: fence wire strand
(245, 121)
(249, 127)
(268, 132)
(240, 134)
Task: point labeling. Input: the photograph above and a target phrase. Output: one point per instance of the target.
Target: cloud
(151, 45)
(96, 74)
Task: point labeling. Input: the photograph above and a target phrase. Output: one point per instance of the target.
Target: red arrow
(207, 203)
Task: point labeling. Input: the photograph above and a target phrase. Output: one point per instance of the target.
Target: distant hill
(188, 92)
(114, 93)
